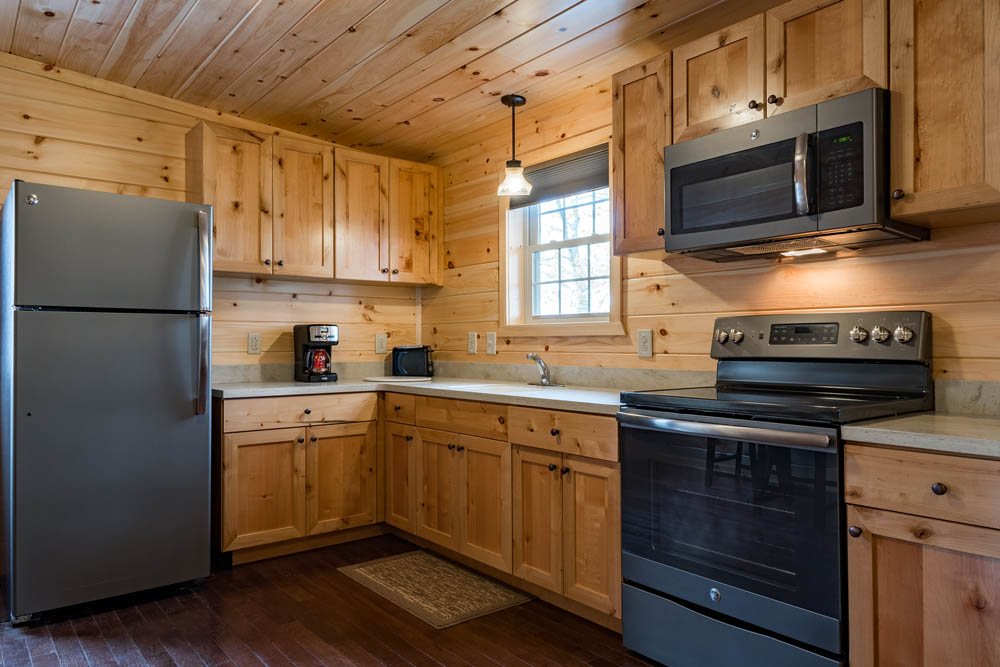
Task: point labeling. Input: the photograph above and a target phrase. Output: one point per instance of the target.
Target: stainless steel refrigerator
(105, 369)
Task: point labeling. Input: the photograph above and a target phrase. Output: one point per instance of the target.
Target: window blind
(577, 172)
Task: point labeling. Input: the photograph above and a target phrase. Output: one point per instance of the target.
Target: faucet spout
(543, 370)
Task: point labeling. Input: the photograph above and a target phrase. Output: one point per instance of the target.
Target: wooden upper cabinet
(340, 476)
(820, 50)
(484, 499)
(414, 222)
(640, 117)
(303, 209)
(230, 169)
(438, 487)
(944, 74)
(401, 476)
(538, 517)
(361, 198)
(719, 80)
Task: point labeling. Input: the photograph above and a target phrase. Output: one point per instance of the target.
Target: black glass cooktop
(829, 407)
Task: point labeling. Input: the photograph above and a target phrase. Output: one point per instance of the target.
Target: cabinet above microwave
(809, 180)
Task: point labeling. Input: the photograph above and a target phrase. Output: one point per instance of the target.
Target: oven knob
(902, 334)
(714, 594)
(722, 335)
(880, 334)
(736, 335)
(858, 334)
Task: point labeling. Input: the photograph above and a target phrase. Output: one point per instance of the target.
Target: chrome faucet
(545, 378)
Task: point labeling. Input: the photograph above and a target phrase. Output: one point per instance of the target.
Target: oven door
(744, 184)
(739, 517)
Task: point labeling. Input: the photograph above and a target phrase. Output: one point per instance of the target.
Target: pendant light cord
(513, 139)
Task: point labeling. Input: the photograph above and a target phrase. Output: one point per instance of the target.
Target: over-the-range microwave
(806, 181)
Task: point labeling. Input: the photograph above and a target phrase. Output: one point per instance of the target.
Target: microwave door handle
(768, 436)
(799, 174)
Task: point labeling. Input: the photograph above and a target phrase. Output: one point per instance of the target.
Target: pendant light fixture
(514, 182)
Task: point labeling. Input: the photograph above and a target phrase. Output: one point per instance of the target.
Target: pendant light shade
(514, 182)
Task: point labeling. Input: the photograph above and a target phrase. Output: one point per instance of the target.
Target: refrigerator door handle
(205, 260)
(204, 348)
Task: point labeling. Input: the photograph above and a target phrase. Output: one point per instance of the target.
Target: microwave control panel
(841, 167)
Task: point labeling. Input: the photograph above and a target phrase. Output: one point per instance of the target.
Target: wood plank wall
(64, 128)
(955, 275)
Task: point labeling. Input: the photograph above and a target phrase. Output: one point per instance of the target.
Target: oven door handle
(768, 436)
(799, 174)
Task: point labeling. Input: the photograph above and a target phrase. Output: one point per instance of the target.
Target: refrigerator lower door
(111, 463)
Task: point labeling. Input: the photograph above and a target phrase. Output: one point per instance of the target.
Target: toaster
(414, 360)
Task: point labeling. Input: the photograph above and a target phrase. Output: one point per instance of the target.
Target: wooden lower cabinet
(438, 487)
(538, 517)
(400, 476)
(484, 501)
(340, 477)
(921, 591)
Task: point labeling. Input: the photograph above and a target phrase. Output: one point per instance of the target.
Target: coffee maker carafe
(314, 352)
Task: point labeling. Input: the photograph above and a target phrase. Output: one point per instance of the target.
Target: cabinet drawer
(399, 408)
(594, 436)
(904, 481)
(487, 420)
(252, 414)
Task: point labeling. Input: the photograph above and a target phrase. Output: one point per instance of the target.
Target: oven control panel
(874, 335)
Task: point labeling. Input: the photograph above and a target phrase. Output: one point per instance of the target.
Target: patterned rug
(434, 590)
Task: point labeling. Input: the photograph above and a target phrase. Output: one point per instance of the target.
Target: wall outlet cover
(381, 343)
(473, 344)
(253, 343)
(491, 342)
(645, 343)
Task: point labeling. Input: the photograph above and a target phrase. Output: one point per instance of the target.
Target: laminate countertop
(577, 399)
(933, 432)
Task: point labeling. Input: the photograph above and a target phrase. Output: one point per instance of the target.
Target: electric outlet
(381, 343)
(491, 342)
(253, 343)
(473, 345)
(645, 344)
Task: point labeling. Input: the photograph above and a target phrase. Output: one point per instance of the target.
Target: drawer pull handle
(939, 489)
(397, 408)
(461, 448)
(301, 439)
(308, 411)
(409, 437)
(500, 419)
(554, 432)
(854, 531)
(564, 471)
(552, 466)
(314, 438)
(450, 447)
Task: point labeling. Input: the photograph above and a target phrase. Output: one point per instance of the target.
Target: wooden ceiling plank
(367, 37)
(41, 26)
(325, 23)
(428, 37)
(241, 50)
(198, 36)
(90, 34)
(8, 19)
(499, 28)
(148, 27)
(515, 59)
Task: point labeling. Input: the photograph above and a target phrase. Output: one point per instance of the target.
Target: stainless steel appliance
(412, 360)
(809, 180)
(314, 351)
(733, 533)
(105, 335)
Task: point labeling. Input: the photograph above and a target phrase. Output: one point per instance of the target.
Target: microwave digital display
(824, 333)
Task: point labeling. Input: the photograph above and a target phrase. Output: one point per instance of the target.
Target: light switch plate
(381, 343)
(473, 344)
(253, 343)
(645, 343)
(491, 342)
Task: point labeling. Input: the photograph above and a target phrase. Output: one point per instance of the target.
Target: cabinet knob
(500, 419)
(281, 262)
(774, 99)
(267, 262)
(301, 439)
(395, 271)
(397, 408)
(554, 432)
(409, 437)
(461, 448)
(854, 531)
(661, 231)
(308, 411)
(898, 194)
(564, 471)
(450, 447)
(754, 104)
(939, 489)
(552, 466)
(313, 439)
(385, 270)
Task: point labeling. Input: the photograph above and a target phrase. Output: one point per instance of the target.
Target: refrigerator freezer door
(84, 249)
(111, 464)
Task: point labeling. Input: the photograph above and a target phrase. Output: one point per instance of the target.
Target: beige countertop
(931, 431)
(578, 399)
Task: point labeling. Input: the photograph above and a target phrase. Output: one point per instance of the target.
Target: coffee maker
(314, 352)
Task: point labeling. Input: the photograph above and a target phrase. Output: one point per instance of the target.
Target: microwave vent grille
(781, 246)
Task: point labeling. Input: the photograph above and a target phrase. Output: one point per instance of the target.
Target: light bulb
(514, 182)
(797, 253)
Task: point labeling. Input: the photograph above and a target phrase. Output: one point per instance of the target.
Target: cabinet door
(438, 487)
(944, 73)
(640, 119)
(538, 517)
(230, 169)
(340, 476)
(484, 500)
(361, 185)
(820, 50)
(400, 476)
(719, 80)
(921, 591)
(303, 209)
(414, 235)
(592, 534)
(263, 487)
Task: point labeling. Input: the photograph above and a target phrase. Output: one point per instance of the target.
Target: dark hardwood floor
(299, 610)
